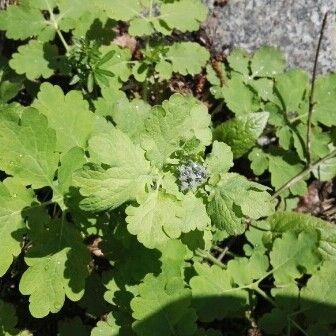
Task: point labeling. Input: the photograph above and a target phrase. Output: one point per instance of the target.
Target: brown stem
(311, 95)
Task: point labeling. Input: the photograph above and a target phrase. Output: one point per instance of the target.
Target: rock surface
(292, 25)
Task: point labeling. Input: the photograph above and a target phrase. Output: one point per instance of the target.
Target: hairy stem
(300, 176)
(55, 24)
(210, 257)
(264, 295)
(311, 95)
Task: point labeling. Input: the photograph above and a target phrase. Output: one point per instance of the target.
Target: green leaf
(184, 15)
(259, 161)
(174, 254)
(140, 27)
(326, 171)
(235, 197)
(324, 98)
(319, 142)
(245, 270)
(239, 61)
(274, 322)
(319, 296)
(294, 255)
(14, 197)
(163, 307)
(219, 161)
(93, 300)
(68, 114)
(111, 328)
(291, 221)
(127, 177)
(35, 60)
(267, 62)
(264, 88)
(161, 217)
(27, 150)
(283, 168)
(107, 189)
(241, 133)
(185, 58)
(179, 118)
(115, 148)
(8, 319)
(238, 97)
(123, 10)
(292, 86)
(22, 22)
(130, 117)
(111, 98)
(10, 83)
(57, 265)
(70, 162)
(73, 327)
(118, 64)
(213, 287)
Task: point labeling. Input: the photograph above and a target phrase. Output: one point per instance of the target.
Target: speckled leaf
(267, 62)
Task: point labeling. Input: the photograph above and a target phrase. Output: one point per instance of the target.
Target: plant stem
(264, 295)
(300, 176)
(60, 35)
(297, 326)
(55, 24)
(311, 95)
(207, 255)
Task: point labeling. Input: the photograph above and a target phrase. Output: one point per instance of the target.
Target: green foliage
(34, 60)
(242, 132)
(91, 62)
(123, 207)
(257, 85)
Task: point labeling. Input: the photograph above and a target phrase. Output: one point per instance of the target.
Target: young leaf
(130, 117)
(161, 217)
(68, 114)
(179, 118)
(35, 59)
(220, 160)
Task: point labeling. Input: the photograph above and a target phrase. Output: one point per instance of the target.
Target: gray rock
(292, 25)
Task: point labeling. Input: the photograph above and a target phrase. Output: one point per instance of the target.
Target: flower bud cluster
(191, 175)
